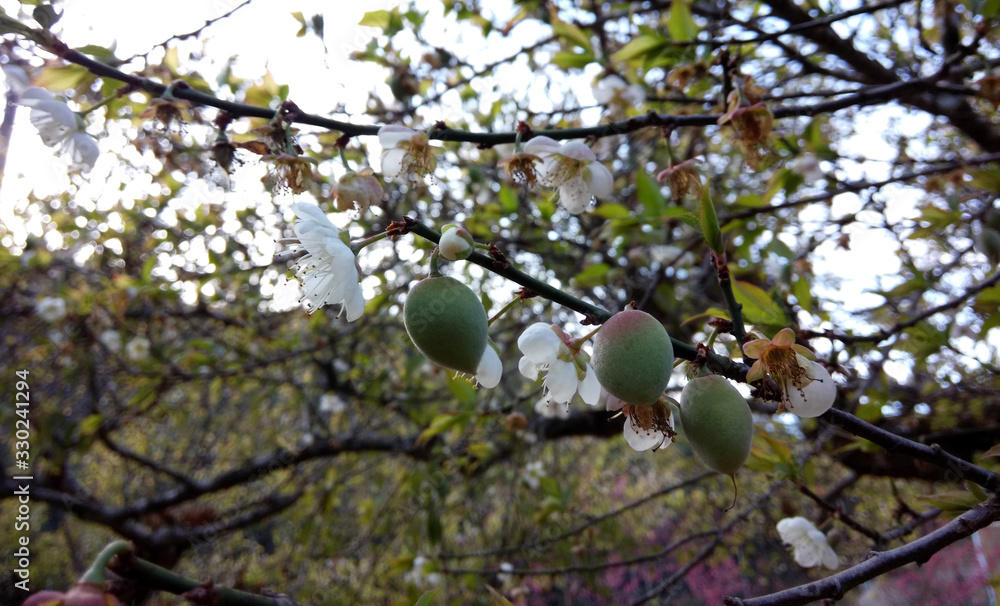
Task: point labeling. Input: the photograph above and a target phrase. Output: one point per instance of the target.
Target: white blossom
(418, 577)
(111, 339)
(815, 398)
(332, 404)
(137, 349)
(568, 373)
(51, 309)
(504, 575)
(60, 127)
(646, 427)
(572, 169)
(616, 92)
(405, 152)
(533, 473)
(811, 547)
(328, 272)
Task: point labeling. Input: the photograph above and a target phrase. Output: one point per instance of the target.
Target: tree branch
(878, 563)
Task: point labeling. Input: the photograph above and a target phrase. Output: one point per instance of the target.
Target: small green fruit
(633, 357)
(447, 323)
(717, 422)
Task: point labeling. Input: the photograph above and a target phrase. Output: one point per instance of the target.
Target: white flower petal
(539, 343)
(310, 213)
(606, 89)
(815, 398)
(32, 95)
(541, 146)
(354, 304)
(528, 368)
(590, 387)
(810, 544)
(83, 149)
(599, 179)
(642, 439)
(490, 368)
(392, 135)
(577, 150)
(561, 381)
(612, 403)
(634, 94)
(574, 195)
(392, 162)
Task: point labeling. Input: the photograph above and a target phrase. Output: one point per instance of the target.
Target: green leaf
(89, 425)
(640, 47)
(681, 24)
(758, 307)
(952, 503)
(567, 60)
(993, 452)
(648, 192)
(595, 275)
(572, 33)
(508, 199)
(63, 77)
(710, 223)
(497, 599)
(106, 55)
(425, 599)
(611, 210)
(441, 424)
(380, 19)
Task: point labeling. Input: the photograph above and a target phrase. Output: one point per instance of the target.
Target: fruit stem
(434, 270)
(95, 574)
(576, 344)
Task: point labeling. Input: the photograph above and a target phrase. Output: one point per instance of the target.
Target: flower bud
(456, 243)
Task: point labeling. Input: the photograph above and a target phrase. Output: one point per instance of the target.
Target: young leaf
(710, 223)
(681, 24)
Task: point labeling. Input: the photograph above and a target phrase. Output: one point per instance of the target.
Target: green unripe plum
(717, 423)
(633, 357)
(447, 323)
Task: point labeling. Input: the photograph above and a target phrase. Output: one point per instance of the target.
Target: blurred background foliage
(264, 447)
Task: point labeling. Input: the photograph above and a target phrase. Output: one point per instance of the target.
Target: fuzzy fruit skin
(717, 422)
(633, 357)
(447, 323)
